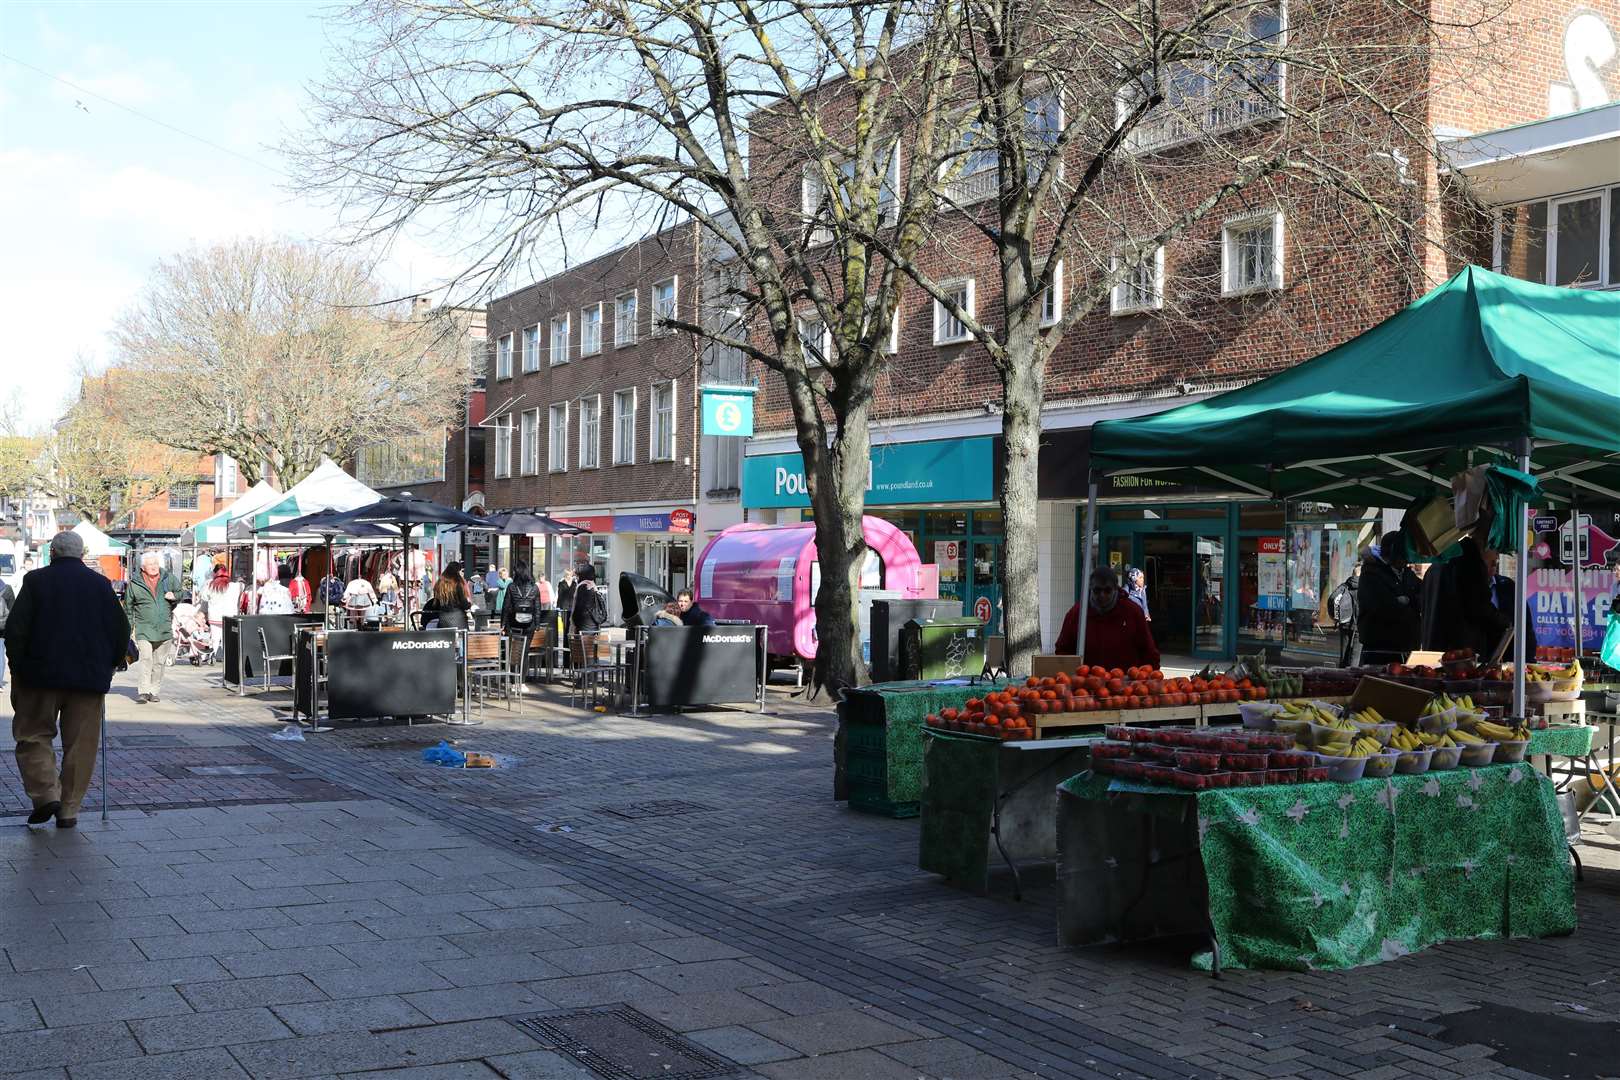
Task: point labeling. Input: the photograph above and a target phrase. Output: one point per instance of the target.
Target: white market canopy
(213, 529)
(327, 488)
(98, 543)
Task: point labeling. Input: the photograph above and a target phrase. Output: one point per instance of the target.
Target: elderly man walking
(149, 602)
(65, 637)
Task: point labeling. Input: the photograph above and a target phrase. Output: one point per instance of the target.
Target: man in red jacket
(1117, 635)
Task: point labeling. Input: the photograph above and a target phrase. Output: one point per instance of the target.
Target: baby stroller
(193, 640)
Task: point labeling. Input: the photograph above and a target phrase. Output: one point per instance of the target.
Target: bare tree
(276, 353)
(523, 120)
(94, 462)
(1094, 138)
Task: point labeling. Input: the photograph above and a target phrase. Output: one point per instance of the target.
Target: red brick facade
(644, 367)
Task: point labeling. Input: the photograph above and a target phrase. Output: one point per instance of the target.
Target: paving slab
(215, 1064)
(353, 1014)
(224, 1027)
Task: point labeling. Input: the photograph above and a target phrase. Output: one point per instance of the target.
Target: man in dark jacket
(149, 602)
(1467, 619)
(1388, 603)
(65, 637)
(691, 614)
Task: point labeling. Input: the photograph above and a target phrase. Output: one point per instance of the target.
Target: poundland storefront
(941, 492)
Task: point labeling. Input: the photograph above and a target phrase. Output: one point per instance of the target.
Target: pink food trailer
(768, 575)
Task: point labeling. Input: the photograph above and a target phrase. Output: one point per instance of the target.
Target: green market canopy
(214, 529)
(327, 488)
(1479, 364)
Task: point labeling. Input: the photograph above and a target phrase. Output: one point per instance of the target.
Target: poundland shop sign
(941, 471)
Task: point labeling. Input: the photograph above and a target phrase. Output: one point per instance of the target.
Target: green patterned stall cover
(1312, 876)
(900, 708)
(1562, 740)
(958, 801)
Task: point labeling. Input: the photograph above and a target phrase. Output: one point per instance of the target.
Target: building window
(891, 341)
(183, 497)
(590, 330)
(1053, 297)
(948, 328)
(817, 206)
(624, 320)
(662, 443)
(1252, 253)
(814, 341)
(503, 446)
(624, 427)
(1572, 241)
(225, 476)
(529, 443)
(972, 174)
(664, 299)
(1142, 288)
(590, 432)
(557, 445)
(1239, 83)
(503, 357)
(408, 459)
(559, 339)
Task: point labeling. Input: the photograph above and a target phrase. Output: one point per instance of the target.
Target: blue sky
(91, 195)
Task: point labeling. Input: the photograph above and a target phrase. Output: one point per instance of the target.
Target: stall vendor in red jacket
(1117, 635)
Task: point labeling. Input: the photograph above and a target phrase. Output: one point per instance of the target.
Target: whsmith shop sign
(940, 471)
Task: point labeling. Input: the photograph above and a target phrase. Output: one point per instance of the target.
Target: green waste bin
(941, 648)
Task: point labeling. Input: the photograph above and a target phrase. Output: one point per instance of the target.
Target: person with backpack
(520, 610)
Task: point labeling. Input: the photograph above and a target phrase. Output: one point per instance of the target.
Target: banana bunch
(1407, 739)
(1437, 740)
(1365, 746)
(1309, 710)
(1435, 708)
(1369, 715)
(1337, 744)
(1494, 732)
(1541, 674)
(1460, 737)
(1446, 701)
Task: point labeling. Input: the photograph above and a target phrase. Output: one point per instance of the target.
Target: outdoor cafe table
(1314, 876)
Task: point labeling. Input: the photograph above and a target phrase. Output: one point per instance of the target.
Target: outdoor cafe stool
(486, 662)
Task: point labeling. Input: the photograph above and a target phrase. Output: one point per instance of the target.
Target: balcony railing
(1170, 125)
(975, 187)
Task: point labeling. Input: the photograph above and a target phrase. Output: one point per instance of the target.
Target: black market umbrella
(519, 523)
(407, 512)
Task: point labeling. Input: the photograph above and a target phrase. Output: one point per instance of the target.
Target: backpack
(522, 600)
(596, 607)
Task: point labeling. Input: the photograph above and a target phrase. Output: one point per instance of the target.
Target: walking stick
(104, 758)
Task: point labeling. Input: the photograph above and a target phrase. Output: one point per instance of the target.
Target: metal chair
(540, 653)
(595, 666)
(271, 658)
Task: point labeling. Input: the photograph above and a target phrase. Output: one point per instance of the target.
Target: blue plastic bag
(445, 754)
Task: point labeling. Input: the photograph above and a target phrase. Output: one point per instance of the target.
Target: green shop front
(940, 492)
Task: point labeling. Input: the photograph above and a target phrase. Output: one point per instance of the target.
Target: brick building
(1252, 291)
(593, 412)
(212, 486)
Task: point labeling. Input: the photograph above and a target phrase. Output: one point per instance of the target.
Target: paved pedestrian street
(669, 896)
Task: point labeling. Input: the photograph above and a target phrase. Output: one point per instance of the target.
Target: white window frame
(1119, 297)
(628, 448)
(502, 451)
(1052, 309)
(1230, 228)
(674, 421)
(892, 344)
(585, 348)
(595, 443)
(942, 317)
(1607, 195)
(818, 357)
(503, 356)
(529, 442)
(531, 349)
(813, 196)
(674, 284)
(624, 330)
(567, 322)
(557, 438)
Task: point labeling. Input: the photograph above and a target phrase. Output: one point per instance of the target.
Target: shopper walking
(520, 609)
(149, 604)
(590, 607)
(222, 599)
(8, 600)
(566, 588)
(65, 636)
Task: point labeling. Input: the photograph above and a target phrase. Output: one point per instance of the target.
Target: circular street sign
(727, 416)
(981, 609)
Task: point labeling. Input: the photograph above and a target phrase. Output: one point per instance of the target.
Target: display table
(1308, 876)
(986, 801)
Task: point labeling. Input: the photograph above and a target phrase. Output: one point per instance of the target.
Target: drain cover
(657, 808)
(233, 770)
(620, 1043)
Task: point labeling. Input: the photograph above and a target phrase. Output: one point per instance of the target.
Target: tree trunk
(837, 479)
(1022, 388)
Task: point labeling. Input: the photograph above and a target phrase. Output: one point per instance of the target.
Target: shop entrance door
(1167, 563)
(984, 598)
